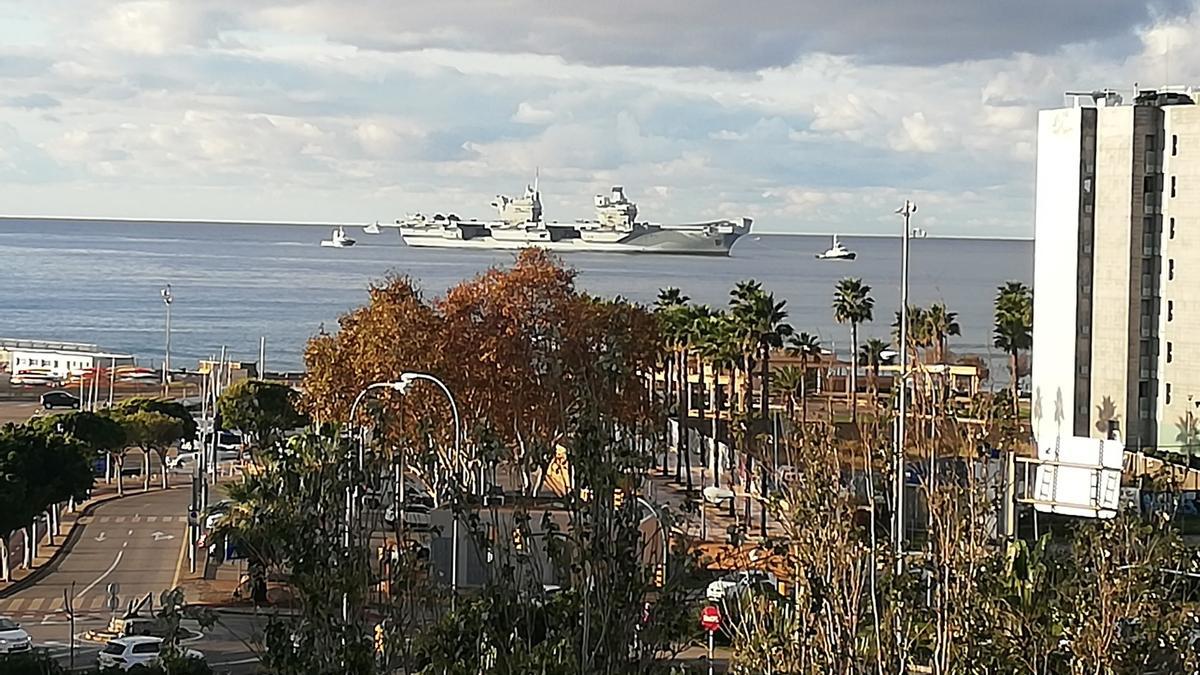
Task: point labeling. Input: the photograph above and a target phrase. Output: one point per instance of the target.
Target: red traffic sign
(710, 619)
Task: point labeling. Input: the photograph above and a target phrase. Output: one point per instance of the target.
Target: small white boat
(338, 239)
(837, 252)
(373, 228)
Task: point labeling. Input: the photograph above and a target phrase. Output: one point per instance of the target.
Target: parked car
(13, 638)
(735, 583)
(59, 399)
(127, 652)
(35, 376)
(187, 460)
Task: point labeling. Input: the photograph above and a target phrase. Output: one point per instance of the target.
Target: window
(1174, 145)
(1171, 269)
(1170, 310)
(1168, 393)
(1143, 389)
(146, 648)
(1172, 186)
(1151, 142)
(1171, 234)
(1170, 352)
(1148, 184)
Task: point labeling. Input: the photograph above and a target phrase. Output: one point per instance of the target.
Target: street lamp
(905, 212)
(166, 378)
(662, 529)
(402, 386)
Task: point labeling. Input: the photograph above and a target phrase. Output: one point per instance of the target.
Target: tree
(100, 434)
(676, 321)
(941, 324)
(37, 470)
(871, 355)
(790, 381)
(1013, 328)
(806, 347)
(152, 431)
(853, 304)
(918, 331)
(261, 411)
(763, 323)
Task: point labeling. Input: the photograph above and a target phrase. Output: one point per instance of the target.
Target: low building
(58, 359)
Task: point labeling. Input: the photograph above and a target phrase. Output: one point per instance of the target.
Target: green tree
(853, 304)
(871, 356)
(38, 470)
(676, 320)
(790, 381)
(918, 331)
(940, 325)
(152, 432)
(763, 323)
(100, 434)
(807, 347)
(261, 411)
(1013, 328)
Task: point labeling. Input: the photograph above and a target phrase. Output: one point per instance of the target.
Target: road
(137, 543)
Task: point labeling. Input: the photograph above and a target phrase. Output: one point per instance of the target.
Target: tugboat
(338, 239)
(837, 252)
(373, 228)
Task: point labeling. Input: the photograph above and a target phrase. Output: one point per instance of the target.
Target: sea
(100, 282)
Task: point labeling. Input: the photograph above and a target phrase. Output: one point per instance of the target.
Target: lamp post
(168, 298)
(406, 381)
(905, 212)
(662, 530)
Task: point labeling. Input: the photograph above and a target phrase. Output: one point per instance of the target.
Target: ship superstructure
(520, 224)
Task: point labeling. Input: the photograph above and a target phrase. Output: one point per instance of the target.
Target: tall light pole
(905, 212)
(166, 378)
(406, 381)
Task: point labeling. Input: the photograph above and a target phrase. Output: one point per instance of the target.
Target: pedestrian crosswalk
(85, 520)
(25, 607)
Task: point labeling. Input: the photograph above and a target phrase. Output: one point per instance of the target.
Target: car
(127, 652)
(738, 582)
(13, 638)
(59, 399)
(36, 377)
(416, 516)
(188, 460)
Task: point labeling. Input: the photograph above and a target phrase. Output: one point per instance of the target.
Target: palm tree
(918, 330)
(940, 325)
(853, 304)
(871, 355)
(692, 320)
(805, 346)
(668, 308)
(764, 324)
(789, 381)
(1013, 328)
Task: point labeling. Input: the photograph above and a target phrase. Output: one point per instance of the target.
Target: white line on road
(102, 576)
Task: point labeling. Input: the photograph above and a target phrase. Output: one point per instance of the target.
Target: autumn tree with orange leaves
(517, 346)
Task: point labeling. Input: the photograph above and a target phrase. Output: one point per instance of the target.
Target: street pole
(710, 650)
(662, 529)
(906, 212)
(262, 358)
(166, 379)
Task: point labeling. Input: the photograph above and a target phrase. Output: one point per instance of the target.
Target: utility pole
(906, 212)
(166, 378)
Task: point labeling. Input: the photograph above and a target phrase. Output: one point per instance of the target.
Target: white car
(188, 460)
(13, 639)
(127, 652)
(736, 583)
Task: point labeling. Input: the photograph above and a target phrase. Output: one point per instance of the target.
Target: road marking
(97, 602)
(85, 520)
(100, 537)
(151, 519)
(102, 576)
(119, 519)
(183, 547)
(16, 604)
(35, 604)
(136, 519)
(239, 662)
(161, 536)
(103, 519)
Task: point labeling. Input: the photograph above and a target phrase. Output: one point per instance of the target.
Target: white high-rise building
(1116, 338)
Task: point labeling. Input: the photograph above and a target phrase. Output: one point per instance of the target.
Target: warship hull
(661, 241)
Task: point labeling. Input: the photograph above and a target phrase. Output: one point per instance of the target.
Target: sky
(806, 115)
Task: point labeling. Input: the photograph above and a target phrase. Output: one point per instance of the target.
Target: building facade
(1114, 345)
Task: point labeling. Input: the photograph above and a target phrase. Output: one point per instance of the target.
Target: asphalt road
(137, 543)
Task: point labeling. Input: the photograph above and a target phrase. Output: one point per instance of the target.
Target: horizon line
(314, 223)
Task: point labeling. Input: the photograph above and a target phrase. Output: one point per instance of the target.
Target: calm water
(99, 282)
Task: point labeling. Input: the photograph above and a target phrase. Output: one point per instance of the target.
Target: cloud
(37, 101)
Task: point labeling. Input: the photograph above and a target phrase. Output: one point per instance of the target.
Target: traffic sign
(710, 619)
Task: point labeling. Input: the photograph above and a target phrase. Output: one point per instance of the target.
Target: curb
(71, 538)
